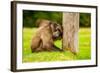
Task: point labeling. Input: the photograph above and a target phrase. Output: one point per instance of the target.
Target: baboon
(46, 33)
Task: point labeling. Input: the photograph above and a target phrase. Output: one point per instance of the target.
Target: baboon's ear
(52, 26)
(50, 23)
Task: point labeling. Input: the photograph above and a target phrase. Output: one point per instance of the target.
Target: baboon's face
(56, 30)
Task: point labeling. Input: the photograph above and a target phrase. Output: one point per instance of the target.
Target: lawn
(84, 48)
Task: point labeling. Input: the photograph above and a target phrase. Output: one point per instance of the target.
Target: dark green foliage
(85, 19)
(30, 17)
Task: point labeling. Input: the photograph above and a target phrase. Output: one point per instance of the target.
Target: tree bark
(70, 31)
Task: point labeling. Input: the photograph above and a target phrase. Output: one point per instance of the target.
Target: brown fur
(43, 40)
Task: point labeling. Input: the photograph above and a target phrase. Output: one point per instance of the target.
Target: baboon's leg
(40, 47)
(48, 43)
(35, 45)
(49, 47)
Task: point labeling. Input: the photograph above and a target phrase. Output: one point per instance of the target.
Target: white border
(21, 65)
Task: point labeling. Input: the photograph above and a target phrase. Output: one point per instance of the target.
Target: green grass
(84, 48)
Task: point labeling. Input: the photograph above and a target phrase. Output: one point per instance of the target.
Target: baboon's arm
(55, 48)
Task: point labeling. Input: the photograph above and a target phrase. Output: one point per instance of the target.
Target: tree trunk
(70, 31)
